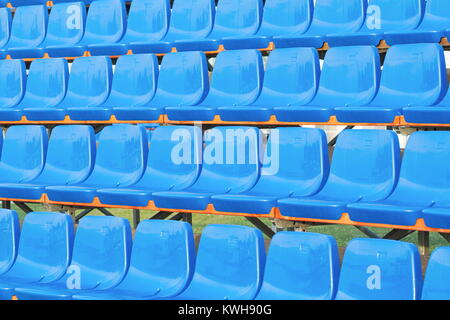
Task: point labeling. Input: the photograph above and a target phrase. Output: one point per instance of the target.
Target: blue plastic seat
(174, 162)
(365, 167)
(100, 260)
(46, 87)
(295, 163)
(120, 162)
(13, 79)
(133, 85)
(237, 80)
(89, 86)
(229, 265)
(9, 235)
(350, 77)
(45, 250)
(413, 75)
(280, 17)
(230, 165)
(233, 18)
(69, 167)
(182, 81)
(436, 282)
(162, 263)
(28, 30)
(301, 266)
(379, 269)
(330, 16)
(19, 3)
(291, 78)
(5, 26)
(422, 183)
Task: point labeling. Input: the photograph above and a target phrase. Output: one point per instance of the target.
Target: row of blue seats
(19, 3)
(102, 262)
(152, 27)
(234, 172)
(351, 86)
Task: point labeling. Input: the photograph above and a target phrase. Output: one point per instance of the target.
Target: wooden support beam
(397, 234)
(367, 232)
(424, 243)
(23, 207)
(261, 226)
(136, 218)
(161, 215)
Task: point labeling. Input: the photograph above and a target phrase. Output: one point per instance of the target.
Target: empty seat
(45, 250)
(18, 3)
(422, 182)
(9, 235)
(291, 78)
(436, 282)
(379, 269)
(438, 216)
(237, 80)
(350, 77)
(71, 166)
(120, 162)
(230, 165)
(100, 259)
(413, 75)
(301, 266)
(229, 265)
(330, 16)
(162, 263)
(13, 79)
(365, 167)
(295, 163)
(174, 162)
(5, 26)
(182, 81)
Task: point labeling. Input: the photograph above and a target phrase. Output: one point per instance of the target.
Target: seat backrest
(191, 19)
(46, 83)
(148, 20)
(89, 82)
(379, 269)
(121, 156)
(76, 162)
(183, 79)
(283, 17)
(350, 77)
(18, 3)
(237, 18)
(229, 264)
(291, 77)
(437, 15)
(237, 78)
(23, 154)
(101, 253)
(413, 74)
(45, 247)
(5, 26)
(9, 235)
(436, 282)
(29, 26)
(134, 81)
(13, 79)
(301, 266)
(365, 164)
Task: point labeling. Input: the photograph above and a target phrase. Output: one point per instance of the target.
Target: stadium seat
(330, 16)
(19, 3)
(100, 259)
(233, 18)
(9, 235)
(182, 81)
(28, 30)
(230, 165)
(365, 166)
(162, 263)
(237, 80)
(423, 182)
(229, 265)
(349, 77)
(436, 282)
(71, 166)
(88, 86)
(295, 163)
(379, 269)
(413, 75)
(301, 266)
(46, 86)
(45, 250)
(174, 162)
(120, 162)
(13, 79)
(5, 26)
(291, 78)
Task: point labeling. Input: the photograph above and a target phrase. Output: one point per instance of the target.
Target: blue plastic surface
(13, 79)
(5, 26)
(365, 166)
(10, 232)
(436, 282)
(379, 269)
